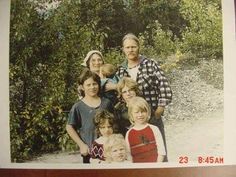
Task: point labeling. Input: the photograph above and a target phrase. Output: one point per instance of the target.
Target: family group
(118, 117)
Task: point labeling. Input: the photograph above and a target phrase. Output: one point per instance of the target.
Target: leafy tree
(25, 83)
(162, 44)
(47, 46)
(203, 36)
(144, 13)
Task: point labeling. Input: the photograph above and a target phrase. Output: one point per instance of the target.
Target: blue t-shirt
(81, 117)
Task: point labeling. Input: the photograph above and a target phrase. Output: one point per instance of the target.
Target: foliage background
(50, 38)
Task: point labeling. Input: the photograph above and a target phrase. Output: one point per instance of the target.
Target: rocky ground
(193, 121)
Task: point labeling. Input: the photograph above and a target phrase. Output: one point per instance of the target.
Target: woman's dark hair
(100, 118)
(86, 74)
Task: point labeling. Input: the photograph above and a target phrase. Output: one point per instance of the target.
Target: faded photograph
(116, 81)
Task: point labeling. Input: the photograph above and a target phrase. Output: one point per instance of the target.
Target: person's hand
(110, 86)
(159, 111)
(84, 149)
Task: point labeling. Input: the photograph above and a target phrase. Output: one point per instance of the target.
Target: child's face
(90, 87)
(106, 129)
(139, 116)
(127, 93)
(118, 153)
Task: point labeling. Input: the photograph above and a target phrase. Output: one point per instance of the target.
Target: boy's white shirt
(157, 135)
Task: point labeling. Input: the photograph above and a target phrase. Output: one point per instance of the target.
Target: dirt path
(191, 138)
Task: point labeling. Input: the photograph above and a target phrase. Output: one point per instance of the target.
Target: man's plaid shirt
(151, 81)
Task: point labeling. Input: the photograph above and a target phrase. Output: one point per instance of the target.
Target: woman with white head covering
(93, 60)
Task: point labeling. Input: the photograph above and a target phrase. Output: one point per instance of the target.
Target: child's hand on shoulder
(110, 86)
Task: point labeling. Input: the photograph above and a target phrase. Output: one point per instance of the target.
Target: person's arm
(159, 111)
(84, 149)
(110, 86)
(163, 87)
(159, 142)
(127, 143)
(128, 152)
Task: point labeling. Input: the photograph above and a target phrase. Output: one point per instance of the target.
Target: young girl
(115, 149)
(127, 88)
(105, 126)
(80, 126)
(144, 140)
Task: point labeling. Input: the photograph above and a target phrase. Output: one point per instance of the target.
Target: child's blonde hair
(138, 103)
(108, 70)
(113, 141)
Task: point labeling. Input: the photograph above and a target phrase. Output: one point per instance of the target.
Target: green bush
(45, 57)
(156, 42)
(179, 61)
(203, 36)
(66, 143)
(114, 56)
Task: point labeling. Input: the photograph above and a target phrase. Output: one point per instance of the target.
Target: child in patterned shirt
(105, 126)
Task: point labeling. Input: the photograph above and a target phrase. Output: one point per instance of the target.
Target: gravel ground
(192, 97)
(194, 121)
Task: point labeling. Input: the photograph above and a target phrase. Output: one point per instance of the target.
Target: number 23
(183, 159)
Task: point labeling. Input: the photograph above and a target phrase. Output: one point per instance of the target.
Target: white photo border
(229, 49)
